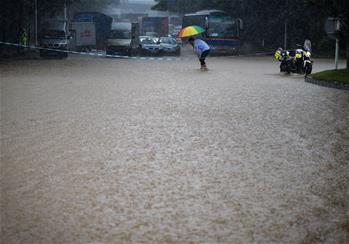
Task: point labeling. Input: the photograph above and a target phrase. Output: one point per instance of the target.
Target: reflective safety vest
(24, 38)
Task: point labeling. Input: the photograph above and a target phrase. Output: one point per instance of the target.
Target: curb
(332, 84)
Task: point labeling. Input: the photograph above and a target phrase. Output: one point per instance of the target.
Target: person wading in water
(202, 49)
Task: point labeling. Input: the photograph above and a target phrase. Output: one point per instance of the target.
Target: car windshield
(167, 40)
(147, 40)
(58, 34)
(152, 34)
(120, 34)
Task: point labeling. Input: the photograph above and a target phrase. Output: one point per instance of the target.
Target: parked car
(170, 46)
(175, 31)
(150, 46)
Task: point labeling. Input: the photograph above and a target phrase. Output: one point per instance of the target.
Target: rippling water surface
(105, 150)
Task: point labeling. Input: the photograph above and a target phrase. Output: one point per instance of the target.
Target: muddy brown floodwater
(100, 150)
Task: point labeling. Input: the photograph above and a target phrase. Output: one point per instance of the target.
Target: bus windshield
(221, 27)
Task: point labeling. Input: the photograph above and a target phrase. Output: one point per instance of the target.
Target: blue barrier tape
(122, 56)
(92, 53)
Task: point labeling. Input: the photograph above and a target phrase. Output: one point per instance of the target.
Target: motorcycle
(295, 61)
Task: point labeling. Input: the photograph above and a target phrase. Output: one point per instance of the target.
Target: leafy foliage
(265, 19)
(339, 9)
(336, 8)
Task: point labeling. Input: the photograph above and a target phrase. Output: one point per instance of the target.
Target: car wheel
(42, 53)
(64, 55)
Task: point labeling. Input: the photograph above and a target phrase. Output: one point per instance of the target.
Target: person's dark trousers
(203, 57)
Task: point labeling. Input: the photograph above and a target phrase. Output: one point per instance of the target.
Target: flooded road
(108, 150)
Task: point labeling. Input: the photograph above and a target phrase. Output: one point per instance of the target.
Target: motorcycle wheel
(308, 68)
(283, 67)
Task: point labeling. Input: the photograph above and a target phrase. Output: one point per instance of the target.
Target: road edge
(328, 84)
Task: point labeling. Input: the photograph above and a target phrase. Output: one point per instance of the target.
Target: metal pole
(36, 22)
(336, 54)
(285, 37)
(286, 17)
(65, 10)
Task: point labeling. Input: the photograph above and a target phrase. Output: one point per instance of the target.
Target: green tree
(339, 9)
(264, 20)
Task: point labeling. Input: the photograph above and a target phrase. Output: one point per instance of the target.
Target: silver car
(150, 46)
(170, 46)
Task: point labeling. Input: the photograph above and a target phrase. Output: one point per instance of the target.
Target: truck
(90, 30)
(123, 39)
(154, 26)
(54, 35)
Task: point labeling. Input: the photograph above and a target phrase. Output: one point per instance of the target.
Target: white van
(54, 36)
(120, 38)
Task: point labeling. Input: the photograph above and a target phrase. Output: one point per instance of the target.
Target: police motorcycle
(295, 61)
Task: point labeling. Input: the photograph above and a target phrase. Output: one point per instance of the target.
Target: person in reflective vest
(24, 37)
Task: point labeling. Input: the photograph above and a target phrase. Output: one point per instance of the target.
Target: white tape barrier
(92, 53)
(121, 56)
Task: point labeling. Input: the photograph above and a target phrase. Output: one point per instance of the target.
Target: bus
(222, 32)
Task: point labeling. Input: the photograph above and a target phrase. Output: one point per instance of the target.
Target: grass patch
(340, 76)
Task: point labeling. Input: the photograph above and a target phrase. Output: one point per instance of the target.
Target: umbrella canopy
(191, 30)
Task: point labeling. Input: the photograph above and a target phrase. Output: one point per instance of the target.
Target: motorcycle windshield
(307, 45)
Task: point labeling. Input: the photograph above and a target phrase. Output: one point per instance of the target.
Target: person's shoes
(204, 68)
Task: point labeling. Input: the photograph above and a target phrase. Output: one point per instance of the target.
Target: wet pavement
(98, 150)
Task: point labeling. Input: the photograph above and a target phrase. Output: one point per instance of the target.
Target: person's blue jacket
(200, 46)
